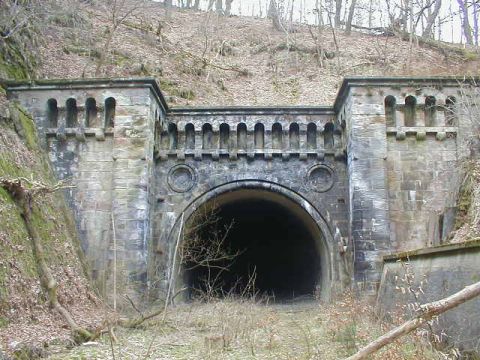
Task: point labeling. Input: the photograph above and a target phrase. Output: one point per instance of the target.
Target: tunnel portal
(272, 239)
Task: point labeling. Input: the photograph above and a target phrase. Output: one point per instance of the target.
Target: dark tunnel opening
(271, 239)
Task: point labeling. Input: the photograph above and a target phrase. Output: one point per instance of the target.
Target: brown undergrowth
(255, 328)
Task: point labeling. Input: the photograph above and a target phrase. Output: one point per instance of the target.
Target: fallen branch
(207, 62)
(433, 44)
(427, 313)
(23, 191)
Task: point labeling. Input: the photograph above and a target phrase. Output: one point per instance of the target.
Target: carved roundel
(181, 178)
(320, 178)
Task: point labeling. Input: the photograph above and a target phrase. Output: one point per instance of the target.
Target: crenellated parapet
(377, 170)
(421, 116)
(256, 134)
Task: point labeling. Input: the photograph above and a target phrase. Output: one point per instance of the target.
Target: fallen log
(426, 313)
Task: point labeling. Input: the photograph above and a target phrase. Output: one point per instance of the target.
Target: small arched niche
(259, 136)
(72, 113)
(390, 110)
(410, 110)
(311, 136)
(164, 140)
(52, 113)
(328, 141)
(91, 113)
(277, 136)
(224, 136)
(430, 111)
(110, 108)
(207, 136)
(172, 136)
(189, 136)
(450, 115)
(242, 136)
(294, 136)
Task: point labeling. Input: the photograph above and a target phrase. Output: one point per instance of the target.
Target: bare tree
(219, 7)
(205, 249)
(467, 29)
(338, 12)
(119, 11)
(348, 25)
(275, 16)
(431, 18)
(228, 7)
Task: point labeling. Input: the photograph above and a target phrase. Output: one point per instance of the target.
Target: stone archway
(279, 234)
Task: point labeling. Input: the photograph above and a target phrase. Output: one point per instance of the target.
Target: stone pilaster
(369, 217)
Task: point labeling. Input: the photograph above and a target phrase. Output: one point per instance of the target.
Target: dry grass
(246, 329)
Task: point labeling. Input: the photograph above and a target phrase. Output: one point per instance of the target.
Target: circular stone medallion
(320, 178)
(181, 178)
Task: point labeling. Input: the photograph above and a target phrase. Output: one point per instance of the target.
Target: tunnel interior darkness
(270, 235)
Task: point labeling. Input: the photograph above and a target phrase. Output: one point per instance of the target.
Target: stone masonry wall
(403, 153)
(106, 150)
(369, 217)
(380, 167)
(422, 165)
(188, 170)
(439, 271)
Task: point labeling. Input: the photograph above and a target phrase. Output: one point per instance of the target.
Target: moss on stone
(465, 197)
(50, 215)
(28, 127)
(14, 63)
(8, 167)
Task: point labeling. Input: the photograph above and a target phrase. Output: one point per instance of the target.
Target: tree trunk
(370, 14)
(348, 26)
(210, 5)
(467, 30)
(228, 7)
(431, 20)
(338, 12)
(404, 12)
(427, 312)
(196, 4)
(476, 9)
(219, 7)
(275, 16)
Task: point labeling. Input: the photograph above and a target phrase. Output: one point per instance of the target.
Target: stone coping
(348, 82)
(386, 81)
(251, 110)
(97, 83)
(446, 248)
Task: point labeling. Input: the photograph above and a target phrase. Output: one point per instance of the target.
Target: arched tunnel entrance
(262, 239)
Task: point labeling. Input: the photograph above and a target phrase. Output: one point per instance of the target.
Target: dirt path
(246, 330)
